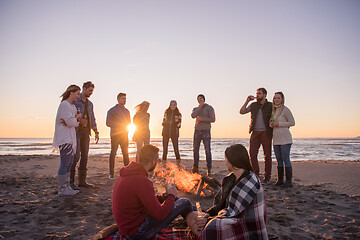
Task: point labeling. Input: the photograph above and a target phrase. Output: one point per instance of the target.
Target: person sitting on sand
(138, 212)
(239, 211)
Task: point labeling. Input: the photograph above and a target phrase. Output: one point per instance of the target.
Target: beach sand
(324, 202)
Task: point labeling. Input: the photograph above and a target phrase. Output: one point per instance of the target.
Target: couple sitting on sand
(238, 212)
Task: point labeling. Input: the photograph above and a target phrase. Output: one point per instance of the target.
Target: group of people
(239, 210)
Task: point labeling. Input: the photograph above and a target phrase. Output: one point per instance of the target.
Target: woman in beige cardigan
(282, 120)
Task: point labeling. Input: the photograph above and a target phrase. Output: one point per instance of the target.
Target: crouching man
(138, 211)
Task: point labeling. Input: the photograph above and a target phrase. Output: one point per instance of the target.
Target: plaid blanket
(245, 216)
(165, 234)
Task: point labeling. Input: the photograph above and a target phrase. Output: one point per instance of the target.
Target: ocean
(346, 149)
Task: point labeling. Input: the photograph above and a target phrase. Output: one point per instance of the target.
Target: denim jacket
(81, 106)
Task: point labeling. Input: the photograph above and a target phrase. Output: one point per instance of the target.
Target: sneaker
(67, 190)
(111, 176)
(195, 169)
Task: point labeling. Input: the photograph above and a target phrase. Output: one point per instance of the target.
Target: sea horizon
(345, 149)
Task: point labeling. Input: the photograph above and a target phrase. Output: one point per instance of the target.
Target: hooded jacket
(134, 198)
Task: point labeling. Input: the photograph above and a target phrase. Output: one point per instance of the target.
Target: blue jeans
(66, 158)
(282, 153)
(150, 227)
(82, 150)
(205, 136)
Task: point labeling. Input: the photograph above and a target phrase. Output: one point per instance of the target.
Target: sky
(163, 50)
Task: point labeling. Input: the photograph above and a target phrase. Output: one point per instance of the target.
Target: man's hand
(171, 189)
(97, 138)
(83, 121)
(199, 119)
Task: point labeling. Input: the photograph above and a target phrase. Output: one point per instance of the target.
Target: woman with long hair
(171, 125)
(67, 119)
(239, 211)
(141, 121)
(282, 120)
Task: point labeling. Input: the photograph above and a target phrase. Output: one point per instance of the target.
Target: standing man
(118, 119)
(87, 122)
(261, 131)
(205, 115)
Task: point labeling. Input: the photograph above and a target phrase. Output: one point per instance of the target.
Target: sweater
(281, 134)
(134, 198)
(65, 125)
(207, 114)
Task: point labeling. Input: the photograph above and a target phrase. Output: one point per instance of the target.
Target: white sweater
(281, 134)
(65, 124)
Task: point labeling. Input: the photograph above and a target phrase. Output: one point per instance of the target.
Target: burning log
(208, 186)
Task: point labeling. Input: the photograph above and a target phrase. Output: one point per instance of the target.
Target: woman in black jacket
(171, 124)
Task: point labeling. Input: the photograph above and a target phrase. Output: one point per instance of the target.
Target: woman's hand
(274, 124)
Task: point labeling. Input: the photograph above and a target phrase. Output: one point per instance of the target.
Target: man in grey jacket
(83, 132)
(204, 115)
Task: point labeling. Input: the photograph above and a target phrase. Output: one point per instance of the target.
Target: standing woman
(282, 139)
(67, 119)
(171, 125)
(141, 121)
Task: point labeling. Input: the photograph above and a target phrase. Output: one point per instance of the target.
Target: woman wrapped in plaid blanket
(239, 210)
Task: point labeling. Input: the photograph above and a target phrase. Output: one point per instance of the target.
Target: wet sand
(324, 202)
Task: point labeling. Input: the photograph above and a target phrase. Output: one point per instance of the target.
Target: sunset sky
(163, 50)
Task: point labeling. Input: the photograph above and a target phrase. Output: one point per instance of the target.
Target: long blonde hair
(279, 107)
(71, 88)
(142, 107)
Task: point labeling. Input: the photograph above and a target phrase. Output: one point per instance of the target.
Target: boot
(195, 169)
(288, 174)
(82, 179)
(64, 185)
(72, 181)
(280, 176)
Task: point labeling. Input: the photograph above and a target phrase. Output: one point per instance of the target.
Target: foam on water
(302, 148)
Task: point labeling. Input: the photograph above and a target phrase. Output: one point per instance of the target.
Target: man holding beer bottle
(261, 132)
(87, 122)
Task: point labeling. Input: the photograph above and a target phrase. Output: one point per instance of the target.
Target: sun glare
(131, 128)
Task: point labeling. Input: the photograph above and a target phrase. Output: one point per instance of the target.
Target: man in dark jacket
(138, 211)
(83, 132)
(118, 119)
(261, 131)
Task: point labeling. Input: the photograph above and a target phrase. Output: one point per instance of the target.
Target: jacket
(266, 109)
(171, 123)
(118, 119)
(90, 108)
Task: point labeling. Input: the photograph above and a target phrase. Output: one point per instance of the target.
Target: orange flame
(185, 181)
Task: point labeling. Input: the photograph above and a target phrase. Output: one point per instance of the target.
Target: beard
(258, 99)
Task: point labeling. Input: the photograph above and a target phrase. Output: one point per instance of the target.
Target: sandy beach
(324, 202)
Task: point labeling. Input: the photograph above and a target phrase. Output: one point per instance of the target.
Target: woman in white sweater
(67, 119)
(282, 120)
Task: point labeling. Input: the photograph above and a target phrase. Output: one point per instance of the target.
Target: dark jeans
(205, 136)
(150, 227)
(175, 142)
(117, 140)
(257, 139)
(82, 150)
(282, 153)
